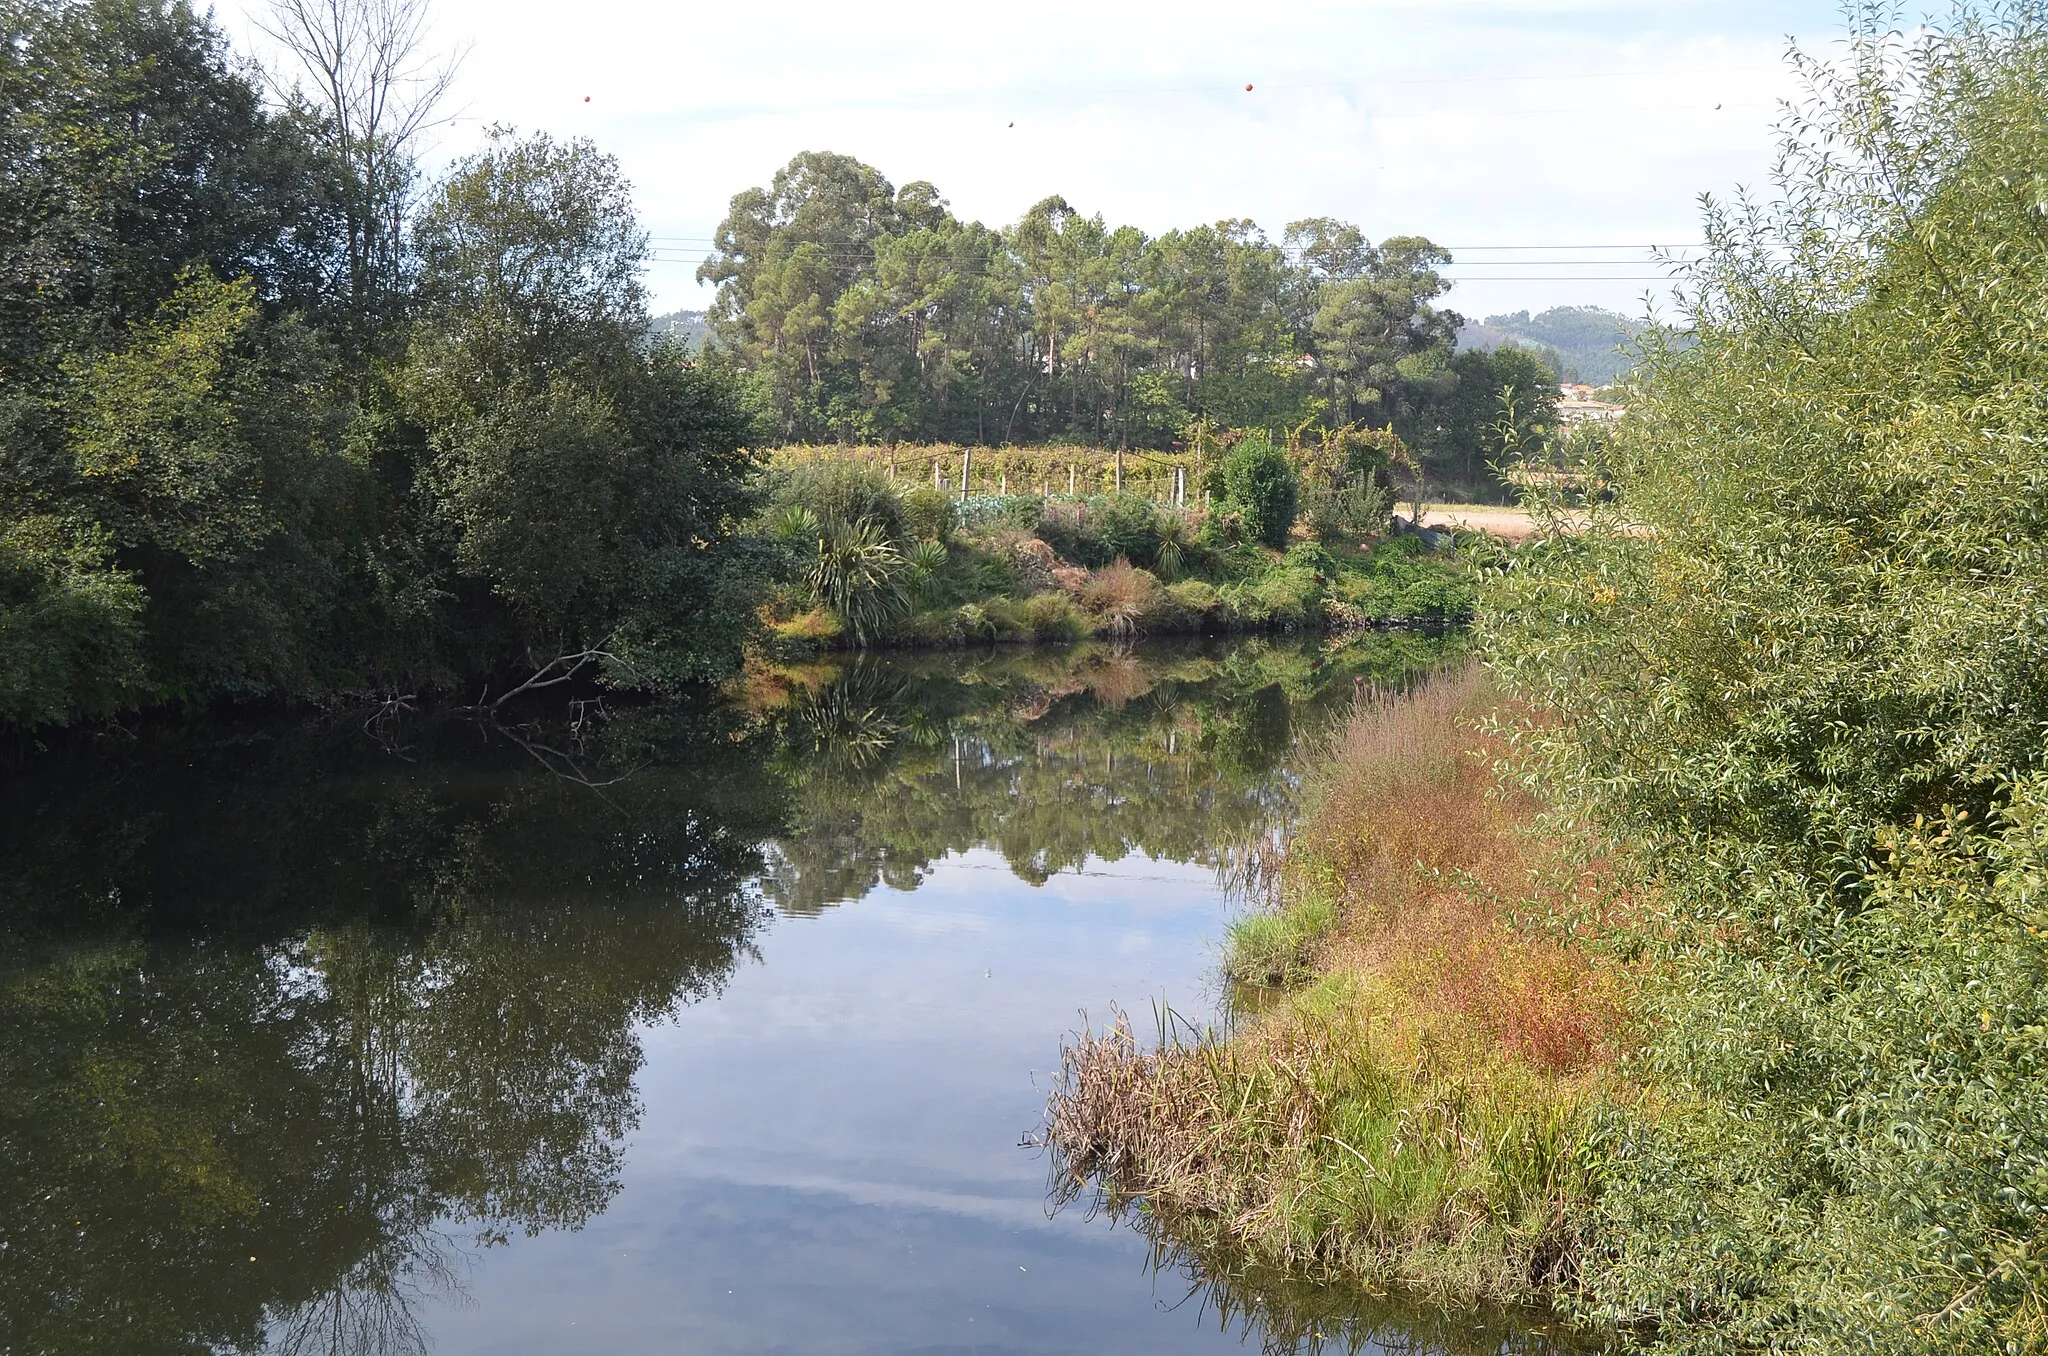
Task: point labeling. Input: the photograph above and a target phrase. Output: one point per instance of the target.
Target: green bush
(1199, 600)
(1127, 525)
(1101, 530)
(1022, 511)
(928, 514)
(70, 629)
(1052, 616)
(843, 492)
(1800, 662)
(1337, 513)
(1261, 488)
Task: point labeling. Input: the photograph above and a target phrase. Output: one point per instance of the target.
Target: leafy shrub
(1800, 661)
(1335, 513)
(70, 634)
(1023, 511)
(928, 514)
(1051, 616)
(1288, 596)
(1198, 600)
(1069, 531)
(1261, 488)
(841, 492)
(1222, 529)
(1127, 526)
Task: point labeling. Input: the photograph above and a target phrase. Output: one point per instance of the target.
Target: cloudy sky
(1547, 142)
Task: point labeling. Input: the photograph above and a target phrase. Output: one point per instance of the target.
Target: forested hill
(868, 312)
(1584, 343)
(685, 327)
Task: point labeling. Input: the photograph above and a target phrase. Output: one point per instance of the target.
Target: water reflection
(1051, 758)
(295, 1026)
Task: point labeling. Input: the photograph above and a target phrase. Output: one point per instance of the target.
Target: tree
(586, 490)
(1258, 483)
(374, 91)
(1493, 407)
(1377, 339)
(1798, 668)
(783, 257)
(166, 452)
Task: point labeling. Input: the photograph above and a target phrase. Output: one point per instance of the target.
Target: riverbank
(873, 563)
(1409, 1101)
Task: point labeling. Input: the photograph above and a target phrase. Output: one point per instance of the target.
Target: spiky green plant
(925, 566)
(860, 575)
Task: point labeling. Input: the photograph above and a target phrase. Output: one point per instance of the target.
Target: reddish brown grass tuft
(1121, 595)
(1415, 1115)
(1430, 859)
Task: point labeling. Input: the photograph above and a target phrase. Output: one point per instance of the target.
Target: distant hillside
(1580, 341)
(687, 326)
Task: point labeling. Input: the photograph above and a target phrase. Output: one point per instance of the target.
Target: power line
(706, 240)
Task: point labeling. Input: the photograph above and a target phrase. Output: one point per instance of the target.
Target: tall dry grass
(1413, 1109)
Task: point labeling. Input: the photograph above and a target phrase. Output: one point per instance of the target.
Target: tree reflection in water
(1049, 757)
(291, 1027)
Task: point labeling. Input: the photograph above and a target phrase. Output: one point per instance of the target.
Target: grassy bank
(872, 561)
(1412, 1103)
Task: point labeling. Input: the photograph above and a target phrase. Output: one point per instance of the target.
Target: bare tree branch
(373, 80)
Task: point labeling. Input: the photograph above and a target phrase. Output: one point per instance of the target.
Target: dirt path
(1509, 524)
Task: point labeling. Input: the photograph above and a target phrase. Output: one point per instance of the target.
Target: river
(709, 1028)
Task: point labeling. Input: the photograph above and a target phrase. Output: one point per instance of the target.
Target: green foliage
(860, 574)
(1126, 526)
(1338, 513)
(871, 313)
(1492, 409)
(928, 514)
(248, 448)
(847, 494)
(1799, 663)
(70, 634)
(1260, 486)
(590, 484)
(1052, 616)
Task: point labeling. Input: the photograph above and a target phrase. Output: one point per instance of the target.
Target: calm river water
(704, 1030)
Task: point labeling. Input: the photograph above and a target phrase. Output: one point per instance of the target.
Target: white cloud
(1536, 124)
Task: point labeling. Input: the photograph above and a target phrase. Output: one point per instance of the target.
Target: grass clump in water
(1415, 1111)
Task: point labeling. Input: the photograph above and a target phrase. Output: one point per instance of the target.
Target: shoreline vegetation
(1241, 536)
(1413, 1080)
(282, 428)
(1684, 967)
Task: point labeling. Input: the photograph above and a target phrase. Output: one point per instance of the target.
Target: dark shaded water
(695, 1030)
